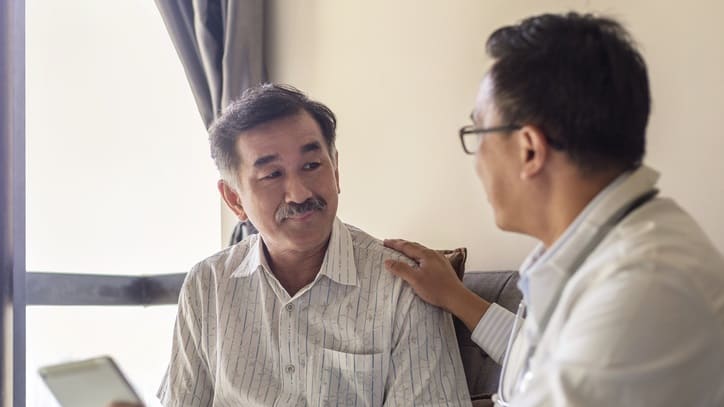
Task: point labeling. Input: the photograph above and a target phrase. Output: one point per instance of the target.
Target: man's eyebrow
(313, 146)
(264, 160)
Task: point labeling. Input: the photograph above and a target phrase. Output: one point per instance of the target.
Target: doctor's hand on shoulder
(434, 280)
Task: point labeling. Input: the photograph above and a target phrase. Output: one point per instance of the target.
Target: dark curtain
(221, 46)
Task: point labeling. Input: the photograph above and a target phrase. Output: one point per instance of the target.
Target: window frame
(95, 289)
(12, 196)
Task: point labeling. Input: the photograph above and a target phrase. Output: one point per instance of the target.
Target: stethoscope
(525, 375)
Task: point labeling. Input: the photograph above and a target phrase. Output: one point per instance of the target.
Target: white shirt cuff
(493, 331)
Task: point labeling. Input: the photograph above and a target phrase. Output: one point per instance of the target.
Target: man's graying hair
(258, 105)
(581, 80)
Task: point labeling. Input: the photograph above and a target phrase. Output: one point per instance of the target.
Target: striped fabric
(493, 331)
(355, 336)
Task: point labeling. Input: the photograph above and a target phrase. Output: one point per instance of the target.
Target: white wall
(401, 76)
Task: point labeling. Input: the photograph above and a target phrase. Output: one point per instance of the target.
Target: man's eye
(311, 166)
(275, 174)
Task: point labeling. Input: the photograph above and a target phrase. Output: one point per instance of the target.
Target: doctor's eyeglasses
(470, 136)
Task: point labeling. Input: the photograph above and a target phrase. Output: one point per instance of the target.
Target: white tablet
(93, 382)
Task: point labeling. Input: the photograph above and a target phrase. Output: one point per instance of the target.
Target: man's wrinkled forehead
(308, 139)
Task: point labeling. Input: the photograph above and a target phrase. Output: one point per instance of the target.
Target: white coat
(639, 323)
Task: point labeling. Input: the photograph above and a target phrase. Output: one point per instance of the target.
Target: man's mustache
(293, 209)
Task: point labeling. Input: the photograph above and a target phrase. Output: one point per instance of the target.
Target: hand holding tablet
(90, 383)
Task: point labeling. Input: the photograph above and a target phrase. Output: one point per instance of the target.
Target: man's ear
(534, 150)
(232, 199)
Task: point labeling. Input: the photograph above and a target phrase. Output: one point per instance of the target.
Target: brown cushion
(457, 258)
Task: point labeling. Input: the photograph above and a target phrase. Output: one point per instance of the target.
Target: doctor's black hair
(581, 80)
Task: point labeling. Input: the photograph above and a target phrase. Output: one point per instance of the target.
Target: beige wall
(401, 76)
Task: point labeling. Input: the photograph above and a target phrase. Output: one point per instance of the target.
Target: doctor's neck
(567, 195)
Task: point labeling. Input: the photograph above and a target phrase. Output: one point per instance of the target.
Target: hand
(435, 281)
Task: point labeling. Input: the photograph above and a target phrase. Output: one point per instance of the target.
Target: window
(120, 189)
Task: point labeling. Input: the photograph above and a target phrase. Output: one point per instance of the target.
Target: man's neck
(295, 269)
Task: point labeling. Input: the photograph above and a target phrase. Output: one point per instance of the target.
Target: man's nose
(297, 190)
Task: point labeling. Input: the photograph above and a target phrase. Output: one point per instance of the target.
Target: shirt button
(289, 369)
(290, 307)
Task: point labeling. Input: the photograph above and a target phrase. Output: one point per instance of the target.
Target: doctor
(624, 297)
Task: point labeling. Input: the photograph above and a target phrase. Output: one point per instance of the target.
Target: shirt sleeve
(640, 339)
(425, 367)
(493, 331)
(187, 381)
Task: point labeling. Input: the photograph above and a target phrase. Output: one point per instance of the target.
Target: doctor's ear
(232, 199)
(534, 150)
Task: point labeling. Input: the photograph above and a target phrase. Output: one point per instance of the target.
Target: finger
(412, 250)
(400, 269)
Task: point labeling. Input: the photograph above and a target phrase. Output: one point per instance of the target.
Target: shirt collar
(544, 271)
(338, 264)
(254, 259)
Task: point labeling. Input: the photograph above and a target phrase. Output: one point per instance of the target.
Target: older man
(302, 313)
(625, 293)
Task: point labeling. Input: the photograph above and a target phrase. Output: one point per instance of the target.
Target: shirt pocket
(352, 378)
